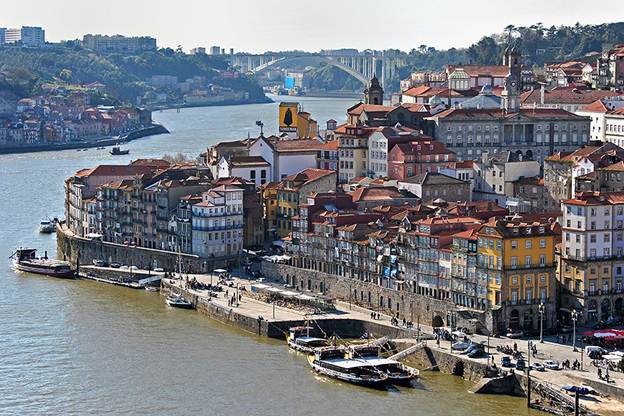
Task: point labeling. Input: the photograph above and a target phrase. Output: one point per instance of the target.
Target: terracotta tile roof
(464, 164)
(155, 163)
(297, 145)
(360, 108)
(115, 170)
(566, 95)
(331, 145)
(244, 161)
(381, 193)
(466, 114)
(595, 107)
(497, 71)
(619, 167)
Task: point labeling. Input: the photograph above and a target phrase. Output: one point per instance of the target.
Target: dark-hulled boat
(26, 260)
(116, 151)
(331, 361)
(179, 302)
(398, 373)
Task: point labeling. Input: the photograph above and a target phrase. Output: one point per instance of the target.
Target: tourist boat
(299, 339)
(179, 302)
(116, 151)
(152, 288)
(331, 361)
(46, 226)
(25, 260)
(397, 372)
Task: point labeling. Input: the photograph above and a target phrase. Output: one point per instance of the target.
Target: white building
(30, 36)
(217, 223)
(286, 157)
(253, 168)
(496, 173)
(379, 144)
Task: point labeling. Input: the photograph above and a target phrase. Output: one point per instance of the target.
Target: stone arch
(519, 154)
(605, 309)
(528, 319)
(437, 321)
(619, 306)
(514, 319)
(529, 155)
(592, 310)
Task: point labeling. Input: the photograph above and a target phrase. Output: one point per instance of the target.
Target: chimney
(542, 91)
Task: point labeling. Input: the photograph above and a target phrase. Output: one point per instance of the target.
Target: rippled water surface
(78, 347)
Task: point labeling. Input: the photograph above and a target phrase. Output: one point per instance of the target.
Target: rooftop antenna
(260, 124)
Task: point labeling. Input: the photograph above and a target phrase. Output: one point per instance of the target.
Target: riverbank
(174, 106)
(152, 130)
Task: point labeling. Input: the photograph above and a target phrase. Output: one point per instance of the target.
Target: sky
(261, 25)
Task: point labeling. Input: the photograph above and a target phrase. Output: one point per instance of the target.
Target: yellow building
(518, 260)
(268, 193)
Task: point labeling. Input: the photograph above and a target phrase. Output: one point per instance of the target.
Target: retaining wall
(410, 306)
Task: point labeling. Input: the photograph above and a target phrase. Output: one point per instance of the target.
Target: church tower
(374, 93)
(511, 92)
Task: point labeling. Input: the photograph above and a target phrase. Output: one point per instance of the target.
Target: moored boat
(46, 226)
(396, 371)
(331, 361)
(26, 260)
(299, 339)
(116, 151)
(179, 302)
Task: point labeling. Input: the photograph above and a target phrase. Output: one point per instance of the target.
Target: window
(514, 262)
(528, 244)
(543, 242)
(514, 244)
(542, 260)
(527, 261)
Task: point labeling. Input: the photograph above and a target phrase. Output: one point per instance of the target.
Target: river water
(78, 348)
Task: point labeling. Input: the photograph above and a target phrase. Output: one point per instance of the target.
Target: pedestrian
(372, 315)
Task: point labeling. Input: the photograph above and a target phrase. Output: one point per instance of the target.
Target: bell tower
(511, 91)
(374, 93)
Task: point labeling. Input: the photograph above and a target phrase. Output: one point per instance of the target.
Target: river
(78, 348)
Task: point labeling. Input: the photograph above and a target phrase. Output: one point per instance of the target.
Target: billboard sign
(288, 117)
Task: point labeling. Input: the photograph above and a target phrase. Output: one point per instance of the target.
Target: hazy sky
(259, 25)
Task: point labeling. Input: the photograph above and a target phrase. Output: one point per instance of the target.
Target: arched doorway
(437, 321)
(529, 155)
(592, 310)
(605, 309)
(619, 307)
(528, 320)
(514, 319)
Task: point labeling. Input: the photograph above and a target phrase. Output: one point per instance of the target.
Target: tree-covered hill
(23, 70)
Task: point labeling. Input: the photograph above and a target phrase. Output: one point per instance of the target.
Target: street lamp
(541, 313)
(574, 318)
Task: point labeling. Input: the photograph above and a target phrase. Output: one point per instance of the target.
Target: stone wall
(428, 358)
(83, 250)
(411, 306)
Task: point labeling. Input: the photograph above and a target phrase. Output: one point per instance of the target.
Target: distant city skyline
(258, 26)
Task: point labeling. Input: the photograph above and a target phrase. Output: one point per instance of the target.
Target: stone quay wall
(445, 362)
(344, 328)
(79, 250)
(411, 306)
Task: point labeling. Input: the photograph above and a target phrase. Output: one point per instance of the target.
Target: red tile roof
(566, 95)
(498, 114)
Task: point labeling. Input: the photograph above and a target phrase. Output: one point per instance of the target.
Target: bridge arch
(355, 74)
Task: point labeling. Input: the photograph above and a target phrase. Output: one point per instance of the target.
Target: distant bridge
(361, 66)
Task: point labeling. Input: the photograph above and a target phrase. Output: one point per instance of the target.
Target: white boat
(46, 226)
(179, 302)
(331, 361)
(152, 288)
(299, 339)
(25, 260)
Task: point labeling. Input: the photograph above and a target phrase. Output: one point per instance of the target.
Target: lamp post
(529, 375)
(541, 313)
(574, 318)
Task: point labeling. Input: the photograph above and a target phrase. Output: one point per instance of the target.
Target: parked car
(115, 265)
(506, 361)
(473, 347)
(537, 367)
(159, 270)
(551, 364)
(461, 346)
(476, 353)
(133, 268)
(99, 263)
(520, 365)
(515, 334)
